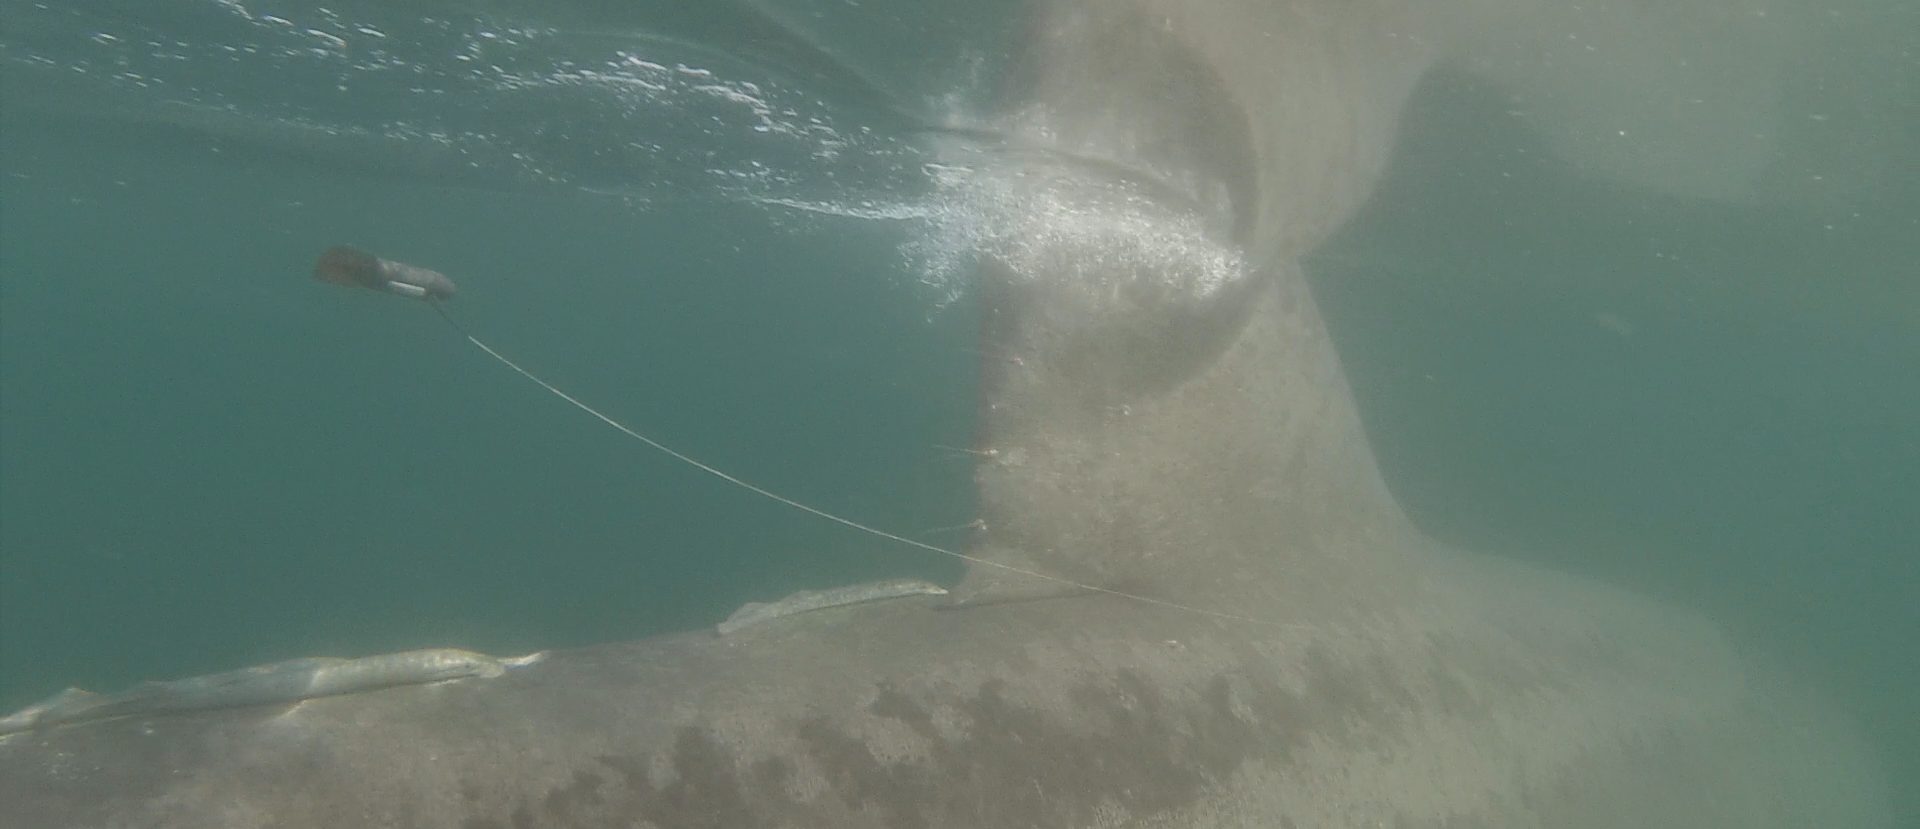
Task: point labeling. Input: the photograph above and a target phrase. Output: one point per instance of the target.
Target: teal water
(1710, 404)
(209, 460)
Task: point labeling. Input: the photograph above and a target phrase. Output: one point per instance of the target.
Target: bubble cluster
(437, 91)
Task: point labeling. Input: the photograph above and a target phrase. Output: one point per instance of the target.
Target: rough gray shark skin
(1196, 444)
(1558, 705)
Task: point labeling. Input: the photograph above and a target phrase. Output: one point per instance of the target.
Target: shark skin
(1494, 697)
(1180, 429)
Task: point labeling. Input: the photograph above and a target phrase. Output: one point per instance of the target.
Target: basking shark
(1173, 426)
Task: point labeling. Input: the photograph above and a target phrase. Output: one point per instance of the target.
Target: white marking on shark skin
(293, 680)
(753, 613)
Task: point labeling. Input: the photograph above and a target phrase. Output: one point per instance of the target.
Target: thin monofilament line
(845, 522)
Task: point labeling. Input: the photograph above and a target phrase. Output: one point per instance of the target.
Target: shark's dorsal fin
(1169, 413)
(1246, 483)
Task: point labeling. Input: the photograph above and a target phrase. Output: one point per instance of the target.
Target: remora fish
(1190, 438)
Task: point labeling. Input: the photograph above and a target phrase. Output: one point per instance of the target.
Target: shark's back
(1493, 695)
